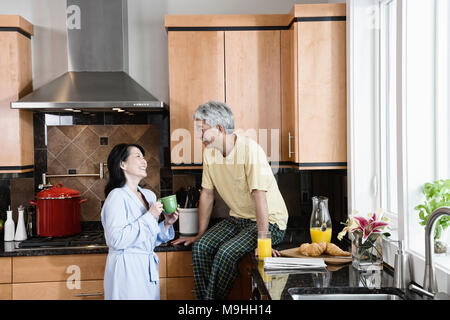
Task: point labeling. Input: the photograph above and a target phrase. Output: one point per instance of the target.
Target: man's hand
(275, 253)
(187, 241)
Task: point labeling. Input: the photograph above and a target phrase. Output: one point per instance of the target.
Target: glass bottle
(320, 224)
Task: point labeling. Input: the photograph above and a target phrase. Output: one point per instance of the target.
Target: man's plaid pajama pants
(216, 255)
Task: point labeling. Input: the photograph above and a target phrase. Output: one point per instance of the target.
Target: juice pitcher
(320, 223)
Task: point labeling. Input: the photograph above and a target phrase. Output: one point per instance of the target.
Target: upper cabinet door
(289, 111)
(196, 75)
(322, 93)
(253, 90)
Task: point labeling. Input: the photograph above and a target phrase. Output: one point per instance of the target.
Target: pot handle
(33, 202)
(83, 200)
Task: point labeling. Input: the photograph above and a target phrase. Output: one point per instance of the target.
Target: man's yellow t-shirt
(244, 169)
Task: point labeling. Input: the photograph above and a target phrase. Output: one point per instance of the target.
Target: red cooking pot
(58, 212)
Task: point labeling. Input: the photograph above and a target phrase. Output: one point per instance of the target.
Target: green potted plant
(437, 194)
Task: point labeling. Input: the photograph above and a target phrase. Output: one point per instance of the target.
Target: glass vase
(367, 255)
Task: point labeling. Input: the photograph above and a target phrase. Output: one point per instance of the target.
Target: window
(399, 114)
(387, 169)
(413, 115)
(426, 106)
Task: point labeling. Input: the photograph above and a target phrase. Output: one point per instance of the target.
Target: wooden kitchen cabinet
(253, 86)
(5, 291)
(58, 290)
(58, 267)
(180, 278)
(58, 277)
(5, 270)
(179, 264)
(15, 82)
(282, 73)
(314, 88)
(53, 277)
(196, 75)
(241, 68)
(180, 288)
(5, 278)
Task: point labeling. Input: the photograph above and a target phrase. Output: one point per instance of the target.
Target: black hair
(119, 153)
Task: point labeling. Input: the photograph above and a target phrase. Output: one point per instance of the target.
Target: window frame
(383, 169)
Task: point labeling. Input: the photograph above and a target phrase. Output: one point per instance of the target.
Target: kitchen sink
(345, 294)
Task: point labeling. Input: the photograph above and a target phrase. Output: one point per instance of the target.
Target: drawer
(179, 264)
(180, 288)
(163, 288)
(5, 291)
(59, 268)
(5, 270)
(89, 290)
(162, 264)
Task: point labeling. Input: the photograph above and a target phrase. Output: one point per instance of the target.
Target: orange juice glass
(264, 245)
(317, 235)
(264, 276)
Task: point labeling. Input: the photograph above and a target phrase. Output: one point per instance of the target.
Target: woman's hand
(156, 209)
(171, 218)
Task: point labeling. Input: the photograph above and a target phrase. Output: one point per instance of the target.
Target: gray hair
(216, 113)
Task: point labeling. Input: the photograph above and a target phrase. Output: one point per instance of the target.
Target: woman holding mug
(130, 221)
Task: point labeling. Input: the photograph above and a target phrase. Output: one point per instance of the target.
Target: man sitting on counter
(237, 167)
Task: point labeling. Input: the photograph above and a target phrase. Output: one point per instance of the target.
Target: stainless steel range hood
(90, 91)
(97, 46)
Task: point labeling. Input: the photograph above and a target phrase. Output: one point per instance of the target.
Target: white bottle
(21, 231)
(9, 225)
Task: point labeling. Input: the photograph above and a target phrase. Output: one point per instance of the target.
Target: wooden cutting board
(294, 253)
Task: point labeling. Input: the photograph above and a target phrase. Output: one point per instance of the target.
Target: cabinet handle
(96, 294)
(290, 148)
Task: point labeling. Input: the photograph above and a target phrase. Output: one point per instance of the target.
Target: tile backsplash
(81, 148)
(297, 188)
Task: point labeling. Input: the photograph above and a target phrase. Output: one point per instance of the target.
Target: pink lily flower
(375, 223)
(367, 227)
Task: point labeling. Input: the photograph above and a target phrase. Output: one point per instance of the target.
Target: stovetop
(84, 238)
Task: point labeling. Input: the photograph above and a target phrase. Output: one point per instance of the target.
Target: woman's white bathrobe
(131, 234)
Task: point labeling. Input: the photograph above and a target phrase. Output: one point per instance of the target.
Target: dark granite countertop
(342, 278)
(9, 249)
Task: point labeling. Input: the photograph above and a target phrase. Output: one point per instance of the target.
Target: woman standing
(130, 221)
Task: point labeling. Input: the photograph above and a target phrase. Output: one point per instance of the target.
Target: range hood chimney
(97, 79)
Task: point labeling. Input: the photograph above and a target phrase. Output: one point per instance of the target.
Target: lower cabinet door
(162, 288)
(59, 290)
(181, 288)
(5, 292)
(5, 270)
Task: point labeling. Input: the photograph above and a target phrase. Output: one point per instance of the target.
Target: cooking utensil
(58, 211)
(181, 197)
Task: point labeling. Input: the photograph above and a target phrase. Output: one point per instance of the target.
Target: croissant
(334, 250)
(312, 249)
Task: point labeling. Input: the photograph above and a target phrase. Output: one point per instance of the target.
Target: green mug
(169, 204)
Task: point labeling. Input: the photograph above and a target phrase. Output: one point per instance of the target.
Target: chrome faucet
(429, 282)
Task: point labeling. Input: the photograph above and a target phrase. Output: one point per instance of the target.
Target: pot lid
(58, 192)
